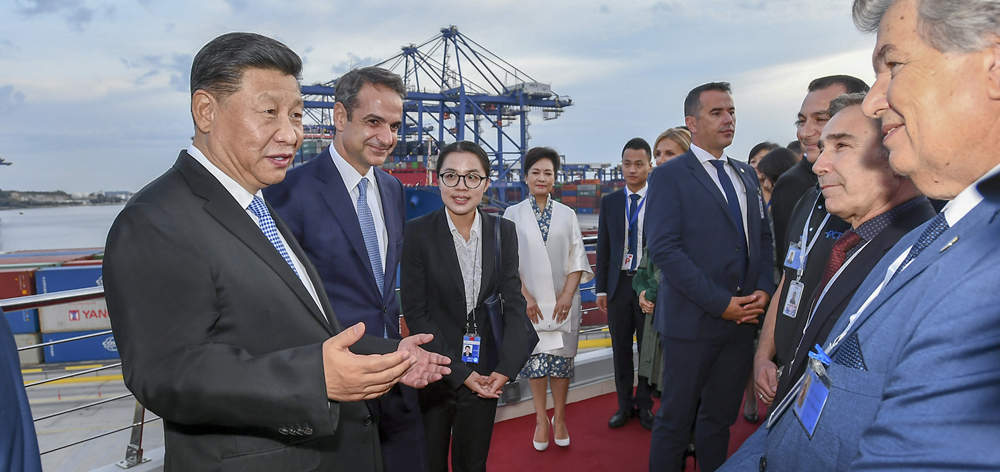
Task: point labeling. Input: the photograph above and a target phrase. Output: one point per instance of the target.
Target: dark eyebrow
(841, 137)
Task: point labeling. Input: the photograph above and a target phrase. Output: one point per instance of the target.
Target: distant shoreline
(29, 205)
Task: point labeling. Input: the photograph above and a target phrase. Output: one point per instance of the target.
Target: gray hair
(845, 100)
(349, 85)
(960, 26)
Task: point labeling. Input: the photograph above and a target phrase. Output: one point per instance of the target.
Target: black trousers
(625, 320)
(714, 371)
(459, 418)
(401, 430)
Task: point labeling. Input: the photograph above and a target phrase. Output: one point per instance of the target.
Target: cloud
(354, 62)
(10, 99)
(237, 5)
(77, 14)
(178, 66)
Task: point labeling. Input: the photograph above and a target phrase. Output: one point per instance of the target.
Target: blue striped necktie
(371, 236)
(266, 224)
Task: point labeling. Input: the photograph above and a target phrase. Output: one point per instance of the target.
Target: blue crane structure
(456, 90)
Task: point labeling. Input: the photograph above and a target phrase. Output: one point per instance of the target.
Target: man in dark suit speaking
(220, 319)
(709, 234)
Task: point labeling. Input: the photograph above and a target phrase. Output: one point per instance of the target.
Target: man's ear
(691, 123)
(204, 107)
(992, 58)
(339, 116)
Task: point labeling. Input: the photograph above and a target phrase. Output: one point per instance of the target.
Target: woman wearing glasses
(553, 263)
(448, 271)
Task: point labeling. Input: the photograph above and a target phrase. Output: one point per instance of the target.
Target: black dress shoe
(620, 418)
(646, 419)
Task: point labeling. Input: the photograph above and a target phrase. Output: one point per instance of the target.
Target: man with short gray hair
(909, 377)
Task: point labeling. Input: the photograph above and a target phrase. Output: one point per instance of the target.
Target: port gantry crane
(462, 91)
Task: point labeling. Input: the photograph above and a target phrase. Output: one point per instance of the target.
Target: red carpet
(594, 446)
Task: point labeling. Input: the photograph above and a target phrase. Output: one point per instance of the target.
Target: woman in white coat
(553, 263)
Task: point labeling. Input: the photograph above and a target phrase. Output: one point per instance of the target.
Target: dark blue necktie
(734, 210)
(633, 229)
(937, 227)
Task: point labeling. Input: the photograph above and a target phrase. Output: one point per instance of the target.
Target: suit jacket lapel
(449, 257)
(699, 173)
(228, 213)
(339, 201)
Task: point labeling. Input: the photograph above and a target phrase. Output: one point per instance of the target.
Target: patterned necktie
(838, 254)
(266, 224)
(633, 229)
(730, 191)
(938, 226)
(370, 235)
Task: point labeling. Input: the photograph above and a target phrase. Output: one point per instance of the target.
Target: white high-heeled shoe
(540, 446)
(559, 442)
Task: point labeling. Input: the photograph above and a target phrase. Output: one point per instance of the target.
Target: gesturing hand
(428, 367)
(351, 377)
(480, 385)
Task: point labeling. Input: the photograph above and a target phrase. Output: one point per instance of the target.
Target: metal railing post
(133, 454)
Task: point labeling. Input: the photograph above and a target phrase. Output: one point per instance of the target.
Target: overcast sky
(94, 93)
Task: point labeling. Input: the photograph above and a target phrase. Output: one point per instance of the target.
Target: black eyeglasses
(450, 179)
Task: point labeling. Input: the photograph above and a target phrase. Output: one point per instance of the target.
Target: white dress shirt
(639, 221)
(954, 211)
(741, 191)
(470, 259)
(351, 177)
(243, 199)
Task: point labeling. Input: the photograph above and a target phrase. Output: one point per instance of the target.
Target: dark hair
(349, 85)
(764, 146)
(794, 146)
(536, 154)
(638, 144)
(776, 162)
(218, 68)
(692, 104)
(852, 84)
(843, 101)
(464, 146)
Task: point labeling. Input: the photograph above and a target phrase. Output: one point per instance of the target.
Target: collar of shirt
(242, 196)
(349, 174)
(703, 155)
(967, 200)
(641, 192)
(477, 227)
(871, 228)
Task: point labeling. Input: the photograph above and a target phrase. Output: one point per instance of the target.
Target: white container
(30, 356)
(77, 316)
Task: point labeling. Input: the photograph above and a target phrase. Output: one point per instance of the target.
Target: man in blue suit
(709, 234)
(18, 443)
(348, 215)
(910, 375)
(619, 246)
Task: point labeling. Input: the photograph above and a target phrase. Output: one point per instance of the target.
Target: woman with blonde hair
(671, 143)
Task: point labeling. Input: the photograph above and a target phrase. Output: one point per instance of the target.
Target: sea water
(68, 227)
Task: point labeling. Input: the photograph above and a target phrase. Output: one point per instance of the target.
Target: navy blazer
(926, 398)
(610, 243)
(692, 238)
(316, 206)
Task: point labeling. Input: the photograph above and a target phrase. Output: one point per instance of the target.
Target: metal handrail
(74, 374)
(81, 407)
(60, 341)
(52, 298)
(133, 425)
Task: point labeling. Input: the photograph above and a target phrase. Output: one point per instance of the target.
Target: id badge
(793, 298)
(809, 405)
(628, 260)
(792, 259)
(470, 348)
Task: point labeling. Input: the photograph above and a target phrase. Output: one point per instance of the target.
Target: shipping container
(58, 279)
(17, 283)
(29, 356)
(586, 187)
(569, 193)
(566, 187)
(90, 349)
(85, 262)
(591, 181)
(585, 294)
(23, 321)
(585, 211)
(76, 316)
(571, 201)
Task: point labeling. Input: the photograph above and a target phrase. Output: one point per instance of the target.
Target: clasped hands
(486, 387)
(563, 305)
(747, 309)
(352, 377)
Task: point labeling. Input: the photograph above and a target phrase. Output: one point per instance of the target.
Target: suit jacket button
(368, 420)
(762, 465)
(283, 430)
(384, 309)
